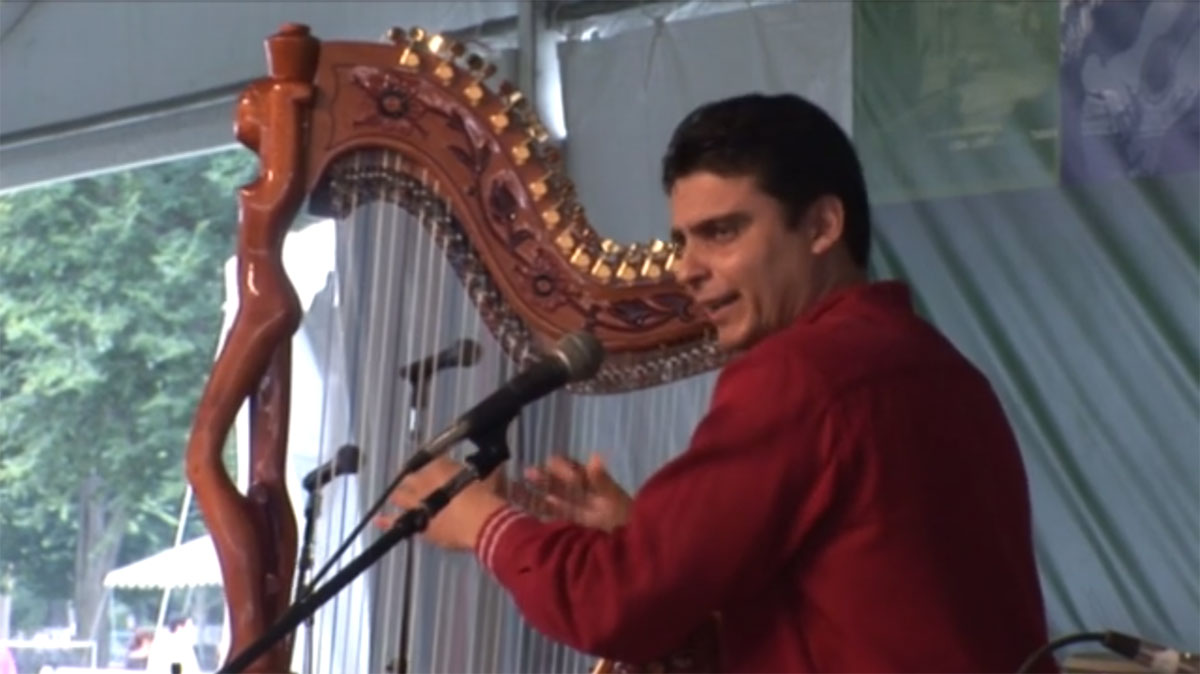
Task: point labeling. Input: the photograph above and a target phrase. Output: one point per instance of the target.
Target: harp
(455, 221)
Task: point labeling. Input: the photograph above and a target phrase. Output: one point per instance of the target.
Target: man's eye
(724, 232)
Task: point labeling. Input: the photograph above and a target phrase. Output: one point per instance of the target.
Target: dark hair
(794, 149)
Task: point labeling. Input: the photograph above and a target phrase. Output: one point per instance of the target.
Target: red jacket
(853, 501)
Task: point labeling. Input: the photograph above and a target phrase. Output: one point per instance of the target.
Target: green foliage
(111, 292)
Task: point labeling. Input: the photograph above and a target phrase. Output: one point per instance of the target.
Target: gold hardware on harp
(435, 43)
(565, 242)
(520, 153)
(480, 71)
(601, 270)
(669, 265)
(408, 57)
(580, 258)
(537, 132)
(627, 270)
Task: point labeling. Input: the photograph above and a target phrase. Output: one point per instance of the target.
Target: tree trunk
(101, 529)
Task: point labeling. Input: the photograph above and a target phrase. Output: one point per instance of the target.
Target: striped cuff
(489, 536)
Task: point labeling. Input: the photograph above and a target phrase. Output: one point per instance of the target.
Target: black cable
(1079, 638)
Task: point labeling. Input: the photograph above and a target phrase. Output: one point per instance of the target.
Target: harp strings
(400, 300)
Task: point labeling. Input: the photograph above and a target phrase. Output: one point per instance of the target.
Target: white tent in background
(191, 564)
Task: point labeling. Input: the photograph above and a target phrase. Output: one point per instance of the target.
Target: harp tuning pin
(651, 269)
(480, 71)
(626, 271)
(512, 100)
(408, 57)
(658, 246)
(565, 242)
(580, 258)
(601, 270)
(395, 34)
(538, 189)
(634, 254)
(435, 44)
(551, 217)
(520, 153)
(669, 265)
(609, 246)
(499, 122)
(537, 132)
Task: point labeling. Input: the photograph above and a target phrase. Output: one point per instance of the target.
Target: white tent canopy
(191, 564)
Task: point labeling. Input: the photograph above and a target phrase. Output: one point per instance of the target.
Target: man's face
(748, 272)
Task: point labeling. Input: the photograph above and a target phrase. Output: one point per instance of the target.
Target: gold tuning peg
(520, 153)
(601, 270)
(669, 265)
(511, 96)
(565, 241)
(435, 44)
(580, 257)
(408, 57)
(445, 50)
(538, 189)
(480, 71)
(626, 271)
(537, 132)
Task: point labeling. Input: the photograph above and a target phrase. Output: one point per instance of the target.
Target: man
(853, 501)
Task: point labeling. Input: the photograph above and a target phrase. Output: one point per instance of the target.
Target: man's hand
(583, 494)
(457, 525)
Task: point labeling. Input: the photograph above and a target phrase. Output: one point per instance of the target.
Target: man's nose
(690, 270)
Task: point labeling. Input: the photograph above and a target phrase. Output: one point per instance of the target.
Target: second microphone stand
(492, 450)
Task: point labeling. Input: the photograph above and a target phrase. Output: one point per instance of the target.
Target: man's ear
(826, 223)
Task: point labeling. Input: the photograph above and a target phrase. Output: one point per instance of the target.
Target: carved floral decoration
(405, 103)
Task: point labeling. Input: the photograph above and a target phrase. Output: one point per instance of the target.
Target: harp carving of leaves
(413, 122)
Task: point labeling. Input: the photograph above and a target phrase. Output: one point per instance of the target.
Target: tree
(111, 292)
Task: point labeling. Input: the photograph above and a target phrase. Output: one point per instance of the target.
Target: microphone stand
(420, 402)
(306, 559)
(492, 451)
(344, 461)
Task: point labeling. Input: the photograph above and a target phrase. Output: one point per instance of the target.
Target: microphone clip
(491, 450)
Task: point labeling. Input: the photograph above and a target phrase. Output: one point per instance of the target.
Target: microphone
(1156, 657)
(576, 357)
(461, 353)
(342, 463)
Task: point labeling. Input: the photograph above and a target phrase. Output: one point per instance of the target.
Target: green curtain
(1034, 169)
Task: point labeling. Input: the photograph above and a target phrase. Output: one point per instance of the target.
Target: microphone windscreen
(582, 353)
